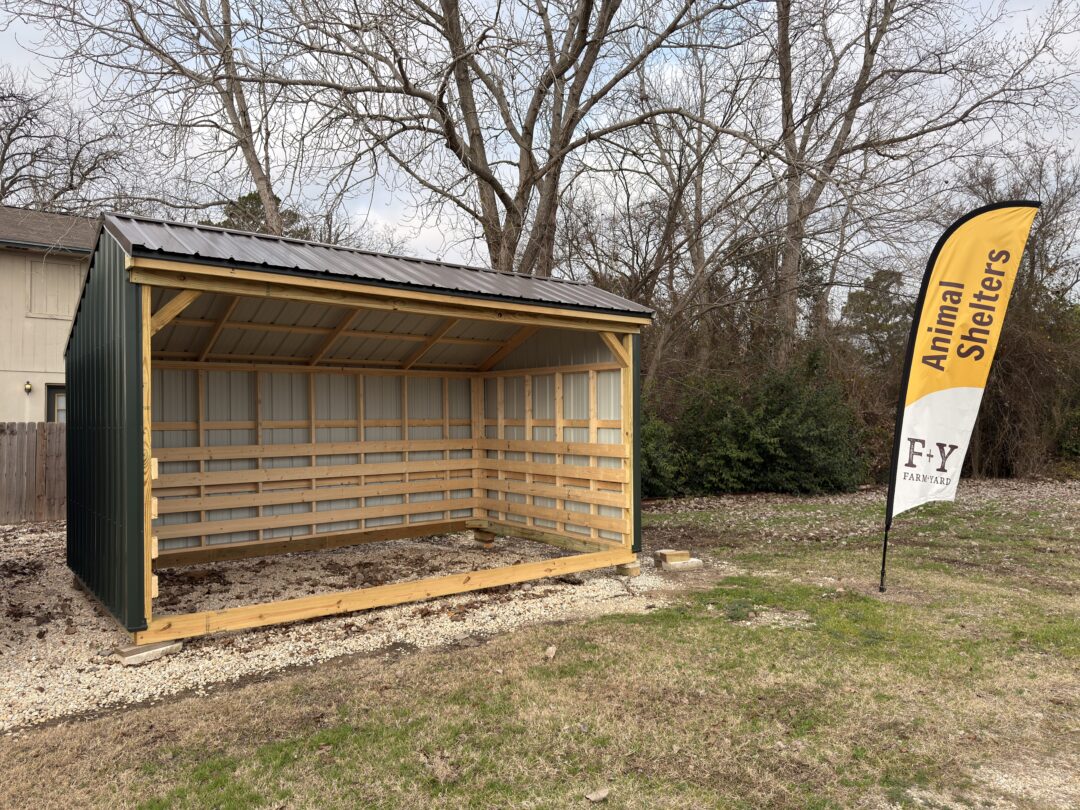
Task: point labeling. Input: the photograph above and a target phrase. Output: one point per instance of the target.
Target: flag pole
(884, 552)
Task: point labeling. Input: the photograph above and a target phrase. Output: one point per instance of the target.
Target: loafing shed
(235, 395)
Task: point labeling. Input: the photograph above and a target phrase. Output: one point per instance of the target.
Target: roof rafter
(433, 338)
(332, 338)
(171, 308)
(519, 337)
(218, 327)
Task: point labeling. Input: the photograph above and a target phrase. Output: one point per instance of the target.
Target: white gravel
(55, 643)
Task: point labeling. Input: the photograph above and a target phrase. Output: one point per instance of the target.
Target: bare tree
(482, 106)
(873, 95)
(52, 155)
(170, 70)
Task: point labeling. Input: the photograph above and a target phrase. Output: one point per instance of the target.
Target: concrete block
(628, 569)
(131, 655)
(682, 565)
(671, 555)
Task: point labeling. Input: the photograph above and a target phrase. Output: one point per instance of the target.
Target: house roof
(154, 238)
(37, 230)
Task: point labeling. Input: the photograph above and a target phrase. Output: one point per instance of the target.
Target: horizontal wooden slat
(212, 527)
(167, 506)
(617, 475)
(558, 515)
(162, 628)
(234, 451)
(558, 448)
(571, 542)
(308, 542)
(562, 492)
(300, 473)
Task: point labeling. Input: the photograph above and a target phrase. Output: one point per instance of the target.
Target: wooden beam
(323, 471)
(304, 363)
(218, 327)
(212, 527)
(164, 628)
(258, 326)
(317, 542)
(504, 529)
(298, 366)
(519, 337)
(149, 502)
(433, 338)
(171, 308)
(616, 347)
(333, 337)
(297, 288)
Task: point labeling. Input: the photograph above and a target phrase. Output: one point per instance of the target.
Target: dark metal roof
(156, 238)
(38, 230)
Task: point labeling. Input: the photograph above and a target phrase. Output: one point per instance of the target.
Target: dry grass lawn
(790, 683)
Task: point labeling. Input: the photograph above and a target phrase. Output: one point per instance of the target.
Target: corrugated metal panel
(483, 330)
(576, 398)
(104, 439)
(174, 240)
(382, 397)
(609, 395)
(543, 396)
(335, 397)
(514, 398)
(460, 396)
(457, 354)
(425, 398)
(558, 347)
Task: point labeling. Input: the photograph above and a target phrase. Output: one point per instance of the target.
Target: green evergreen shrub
(659, 464)
(787, 431)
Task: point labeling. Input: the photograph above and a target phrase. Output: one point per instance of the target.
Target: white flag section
(954, 335)
(933, 444)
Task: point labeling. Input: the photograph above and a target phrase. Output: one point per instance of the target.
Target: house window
(56, 403)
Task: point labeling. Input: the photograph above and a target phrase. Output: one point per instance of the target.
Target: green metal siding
(104, 438)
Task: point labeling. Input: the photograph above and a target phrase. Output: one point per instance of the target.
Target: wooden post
(149, 502)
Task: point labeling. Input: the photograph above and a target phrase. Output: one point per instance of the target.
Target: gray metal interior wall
(242, 408)
(557, 348)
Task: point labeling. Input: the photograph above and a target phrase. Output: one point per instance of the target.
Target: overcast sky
(383, 207)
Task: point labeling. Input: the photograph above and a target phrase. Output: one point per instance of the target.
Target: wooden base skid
(165, 628)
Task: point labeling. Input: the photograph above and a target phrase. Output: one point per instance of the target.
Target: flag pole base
(884, 553)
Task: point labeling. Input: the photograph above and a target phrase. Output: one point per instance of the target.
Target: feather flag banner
(958, 318)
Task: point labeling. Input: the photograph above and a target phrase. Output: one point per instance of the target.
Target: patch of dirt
(696, 537)
(774, 617)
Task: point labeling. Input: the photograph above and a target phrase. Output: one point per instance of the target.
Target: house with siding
(43, 260)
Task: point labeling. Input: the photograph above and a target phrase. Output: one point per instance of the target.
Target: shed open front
(295, 397)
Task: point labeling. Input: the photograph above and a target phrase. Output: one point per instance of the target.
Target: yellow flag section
(958, 322)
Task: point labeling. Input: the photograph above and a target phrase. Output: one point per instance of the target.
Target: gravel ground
(56, 643)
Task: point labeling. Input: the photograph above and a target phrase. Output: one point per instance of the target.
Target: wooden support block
(153, 509)
(484, 538)
(670, 555)
(153, 547)
(153, 469)
(630, 569)
(131, 655)
(682, 565)
(153, 586)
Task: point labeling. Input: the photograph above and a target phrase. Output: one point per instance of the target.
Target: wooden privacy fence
(33, 475)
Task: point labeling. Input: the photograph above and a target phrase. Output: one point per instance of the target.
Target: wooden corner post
(149, 580)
